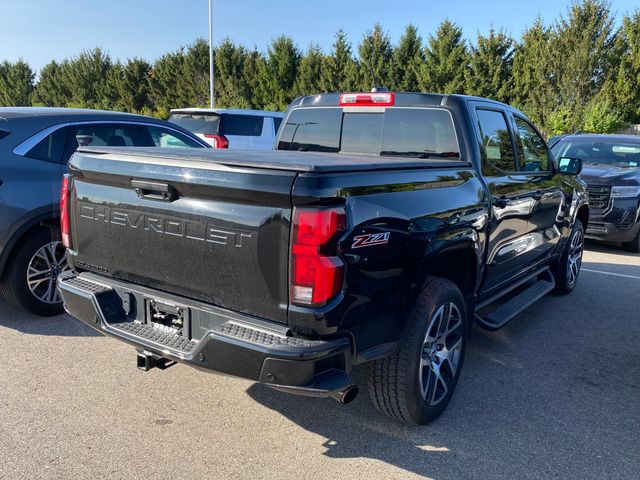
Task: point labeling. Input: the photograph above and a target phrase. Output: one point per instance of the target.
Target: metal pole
(211, 77)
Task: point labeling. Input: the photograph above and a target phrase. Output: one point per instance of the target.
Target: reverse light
(625, 191)
(374, 99)
(316, 273)
(219, 141)
(64, 211)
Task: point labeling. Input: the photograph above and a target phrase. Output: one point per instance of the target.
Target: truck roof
(403, 99)
(315, 162)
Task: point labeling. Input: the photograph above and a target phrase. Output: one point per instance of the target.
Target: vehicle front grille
(599, 197)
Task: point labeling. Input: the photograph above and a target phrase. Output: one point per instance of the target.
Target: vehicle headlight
(625, 192)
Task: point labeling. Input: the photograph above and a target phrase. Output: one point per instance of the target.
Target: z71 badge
(370, 239)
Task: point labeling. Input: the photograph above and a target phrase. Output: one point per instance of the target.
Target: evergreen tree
(86, 78)
(231, 90)
(625, 82)
(339, 69)
(51, 89)
(407, 60)
(16, 83)
(490, 62)
(309, 72)
(533, 86)
(195, 74)
(165, 81)
(278, 74)
(601, 116)
(446, 59)
(375, 59)
(254, 67)
(127, 87)
(583, 45)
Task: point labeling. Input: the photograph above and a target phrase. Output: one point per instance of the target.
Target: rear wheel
(30, 278)
(416, 383)
(633, 245)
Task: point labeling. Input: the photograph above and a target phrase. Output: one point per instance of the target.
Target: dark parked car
(35, 145)
(383, 226)
(612, 172)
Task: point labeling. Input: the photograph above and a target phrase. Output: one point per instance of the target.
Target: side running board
(511, 308)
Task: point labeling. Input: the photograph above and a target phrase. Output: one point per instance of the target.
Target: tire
(633, 245)
(32, 263)
(404, 386)
(567, 270)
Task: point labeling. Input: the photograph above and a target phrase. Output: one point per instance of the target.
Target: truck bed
(303, 162)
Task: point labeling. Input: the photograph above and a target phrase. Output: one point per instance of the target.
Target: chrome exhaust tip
(346, 395)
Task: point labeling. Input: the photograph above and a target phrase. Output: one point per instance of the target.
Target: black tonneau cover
(270, 159)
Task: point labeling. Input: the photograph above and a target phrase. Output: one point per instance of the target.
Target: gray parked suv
(35, 146)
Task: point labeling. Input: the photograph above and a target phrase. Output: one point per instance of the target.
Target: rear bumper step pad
(298, 365)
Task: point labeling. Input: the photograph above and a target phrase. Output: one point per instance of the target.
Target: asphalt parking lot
(555, 394)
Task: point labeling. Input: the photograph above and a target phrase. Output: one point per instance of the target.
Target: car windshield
(617, 153)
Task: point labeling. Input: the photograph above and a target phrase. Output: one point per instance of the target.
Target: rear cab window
(425, 132)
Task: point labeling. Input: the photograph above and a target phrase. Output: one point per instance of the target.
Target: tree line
(581, 71)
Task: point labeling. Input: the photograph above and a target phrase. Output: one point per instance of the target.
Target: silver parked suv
(230, 128)
(35, 146)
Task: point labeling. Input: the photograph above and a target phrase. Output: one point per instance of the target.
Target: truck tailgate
(211, 232)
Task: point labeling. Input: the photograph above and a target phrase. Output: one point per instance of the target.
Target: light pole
(211, 92)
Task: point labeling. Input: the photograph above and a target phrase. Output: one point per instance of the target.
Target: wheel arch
(459, 263)
(50, 220)
(583, 215)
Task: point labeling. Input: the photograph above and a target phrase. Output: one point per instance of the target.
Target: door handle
(154, 190)
(501, 202)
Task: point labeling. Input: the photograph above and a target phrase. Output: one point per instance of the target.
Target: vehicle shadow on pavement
(529, 402)
(61, 326)
(356, 430)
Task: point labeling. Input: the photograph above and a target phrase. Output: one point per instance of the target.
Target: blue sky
(41, 30)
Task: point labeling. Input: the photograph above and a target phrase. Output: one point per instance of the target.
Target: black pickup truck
(381, 227)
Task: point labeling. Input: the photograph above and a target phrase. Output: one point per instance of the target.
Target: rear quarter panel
(409, 217)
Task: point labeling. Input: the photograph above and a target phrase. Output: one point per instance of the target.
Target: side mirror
(570, 166)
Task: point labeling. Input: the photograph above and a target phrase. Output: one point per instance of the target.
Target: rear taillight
(374, 99)
(64, 211)
(316, 270)
(219, 141)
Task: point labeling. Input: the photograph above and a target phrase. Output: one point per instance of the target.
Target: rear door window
(100, 135)
(50, 148)
(497, 147)
(241, 125)
(166, 138)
